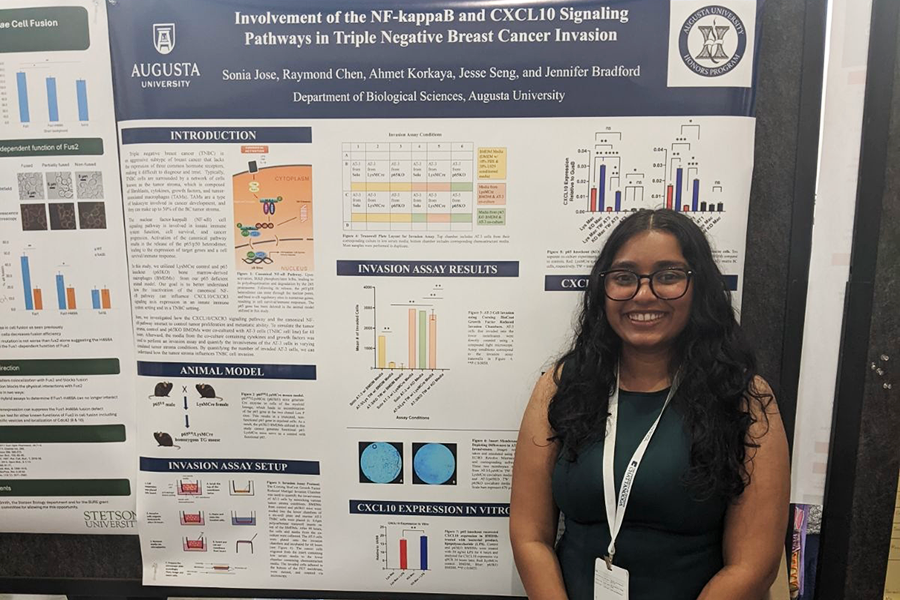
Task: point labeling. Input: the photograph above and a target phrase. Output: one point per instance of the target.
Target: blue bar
(81, 92)
(696, 195)
(26, 281)
(61, 292)
(679, 183)
(423, 551)
(618, 201)
(95, 299)
(602, 188)
(24, 117)
(51, 99)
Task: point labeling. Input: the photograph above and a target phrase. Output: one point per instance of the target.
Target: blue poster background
(209, 39)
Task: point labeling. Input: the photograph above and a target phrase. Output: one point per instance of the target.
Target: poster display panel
(67, 455)
(357, 235)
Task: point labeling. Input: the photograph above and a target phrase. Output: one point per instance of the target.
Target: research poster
(67, 454)
(357, 234)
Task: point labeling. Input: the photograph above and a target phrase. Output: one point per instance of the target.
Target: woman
(708, 504)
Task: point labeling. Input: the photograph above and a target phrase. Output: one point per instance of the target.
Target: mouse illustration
(205, 390)
(162, 388)
(165, 440)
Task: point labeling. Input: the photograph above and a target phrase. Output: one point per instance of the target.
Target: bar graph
(421, 343)
(405, 334)
(100, 299)
(621, 176)
(404, 548)
(65, 295)
(50, 93)
(66, 292)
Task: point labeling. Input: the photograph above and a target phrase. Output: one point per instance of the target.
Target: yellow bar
(382, 350)
(392, 365)
(371, 218)
(400, 186)
(432, 342)
(370, 186)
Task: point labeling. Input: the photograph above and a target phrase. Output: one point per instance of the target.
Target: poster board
(774, 209)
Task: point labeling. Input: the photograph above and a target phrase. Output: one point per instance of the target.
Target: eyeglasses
(666, 284)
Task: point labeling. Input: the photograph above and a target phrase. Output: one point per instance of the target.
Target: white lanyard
(615, 512)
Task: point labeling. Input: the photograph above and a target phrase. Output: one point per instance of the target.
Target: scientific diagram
(190, 487)
(186, 401)
(403, 549)
(400, 341)
(29, 282)
(273, 218)
(62, 189)
(236, 488)
(683, 171)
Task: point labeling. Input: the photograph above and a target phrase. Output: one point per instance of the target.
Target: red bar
(669, 197)
(609, 209)
(403, 557)
(686, 208)
(593, 199)
(104, 298)
(38, 300)
(70, 298)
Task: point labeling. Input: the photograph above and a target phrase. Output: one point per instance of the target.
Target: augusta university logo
(164, 37)
(713, 41)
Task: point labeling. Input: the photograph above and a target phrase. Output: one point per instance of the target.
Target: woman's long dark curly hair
(717, 366)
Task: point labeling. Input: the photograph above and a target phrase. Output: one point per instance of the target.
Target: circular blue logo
(713, 41)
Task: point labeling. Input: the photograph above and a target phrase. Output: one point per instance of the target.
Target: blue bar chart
(51, 95)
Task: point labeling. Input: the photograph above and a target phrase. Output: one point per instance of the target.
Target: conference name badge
(610, 582)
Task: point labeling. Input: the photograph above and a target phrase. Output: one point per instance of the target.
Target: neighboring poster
(357, 234)
(67, 459)
(832, 235)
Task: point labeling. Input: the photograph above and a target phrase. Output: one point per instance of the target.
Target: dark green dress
(670, 543)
